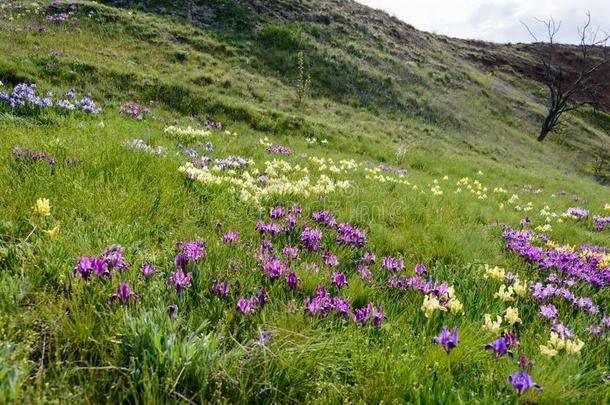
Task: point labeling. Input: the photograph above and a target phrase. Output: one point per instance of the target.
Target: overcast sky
(495, 20)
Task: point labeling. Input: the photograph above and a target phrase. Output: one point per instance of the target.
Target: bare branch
(569, 91)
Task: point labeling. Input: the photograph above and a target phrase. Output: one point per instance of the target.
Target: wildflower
(342, 306)
(511, 339)
(594, 330)
(369, 257)
(221, 288)
(491, 325)
(522, 382)
(123, 294)
(311, 238)
(557, 342)
(420, 269)
(148, 269)
(548, 311)
(548, 351)
(100, 267)
(520, 288)
(365, 273)
(339, 280)
(524, 362)
(290, 252)
(113, 255)
(446, 339)
(325, 218)
(180, 280)
(562, 330)
(83, 267)
(431, 304)
(454, 305)
(363, 315)
(577, 213)
(393, 264)
(348, 235)
(330, 259)
(277, 212)
(512, 315)
(499, 346)
(52, 233)
(378, 316)
(574, 346)
(190, 251)
(245, 306)
(42, 207)
(504, 293)
(262, 298)
(273, 267)
(292, 280)
(231, 236)
(494, 272)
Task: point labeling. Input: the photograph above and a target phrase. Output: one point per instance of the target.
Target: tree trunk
(543, 133)
(548, 124)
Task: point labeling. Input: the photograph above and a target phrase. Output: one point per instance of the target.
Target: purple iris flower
(147, 269)
(123, 294)
(594, 330)
(562, 330)
(378, 316)
(292, 280)
(499, 347)
(351, 236)
(277, 212)
(325, 218)
(365, 273)
(100, 267)
(262, 298)
(420, 269)
(511, 339)
(369, 257)
(291, 252)
(83, 268)
(548, 311)
(245, 306)
(393, 264)
(342, 306)
(362, 315)
(192, 249)
(231, 236)
(221, 288)
(180, 280)
(311, 238)
(446, 339)
(524, 362)
(339, 279)
(330, 259)
(522, 382)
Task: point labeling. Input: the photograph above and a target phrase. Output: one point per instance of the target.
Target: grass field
(187, 337)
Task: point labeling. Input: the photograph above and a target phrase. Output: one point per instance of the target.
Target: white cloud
(495, 20)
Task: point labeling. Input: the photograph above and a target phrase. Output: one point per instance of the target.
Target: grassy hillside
(403, 135)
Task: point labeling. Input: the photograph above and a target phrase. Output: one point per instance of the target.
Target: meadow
(153, 254)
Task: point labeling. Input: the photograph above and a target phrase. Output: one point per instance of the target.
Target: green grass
(61, 342)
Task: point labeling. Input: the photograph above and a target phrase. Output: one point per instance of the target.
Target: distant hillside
(372, 76)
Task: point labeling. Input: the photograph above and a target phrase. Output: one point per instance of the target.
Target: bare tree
(569, 91)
